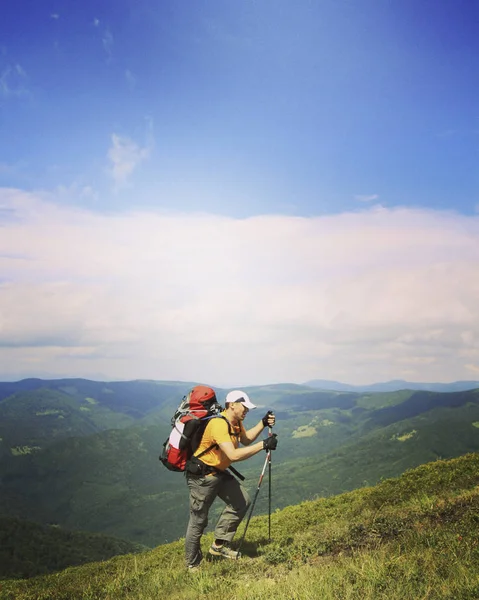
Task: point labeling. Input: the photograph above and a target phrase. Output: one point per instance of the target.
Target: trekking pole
(254, 500)
(270, 433)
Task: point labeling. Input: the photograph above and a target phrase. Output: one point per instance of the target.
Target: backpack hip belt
(197, 468)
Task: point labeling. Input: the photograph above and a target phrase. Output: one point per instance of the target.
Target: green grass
(413, 537)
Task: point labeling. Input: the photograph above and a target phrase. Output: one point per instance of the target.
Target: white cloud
(96, 22)
(130, 79)
(54, 16)
(358, 297)
(125, 155)
(13, 81)
(366, 197)
(107, 40)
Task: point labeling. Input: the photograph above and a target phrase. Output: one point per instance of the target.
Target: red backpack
(188, 425)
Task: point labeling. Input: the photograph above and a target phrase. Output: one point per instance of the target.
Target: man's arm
(237, 454)
(247, 437)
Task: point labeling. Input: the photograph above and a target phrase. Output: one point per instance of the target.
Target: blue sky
(329, 131)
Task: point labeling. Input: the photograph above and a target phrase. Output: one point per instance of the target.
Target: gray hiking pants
(203, 491)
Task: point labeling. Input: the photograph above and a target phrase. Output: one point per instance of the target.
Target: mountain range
(394, 385)
(83, 455)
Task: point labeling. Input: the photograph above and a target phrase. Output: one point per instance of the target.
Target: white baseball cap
(239, 396)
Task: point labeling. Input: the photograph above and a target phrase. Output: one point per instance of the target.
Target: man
(207, 477)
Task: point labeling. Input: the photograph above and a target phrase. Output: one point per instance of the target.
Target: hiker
(207, 477)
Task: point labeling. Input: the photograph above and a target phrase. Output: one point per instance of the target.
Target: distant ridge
(393, 386)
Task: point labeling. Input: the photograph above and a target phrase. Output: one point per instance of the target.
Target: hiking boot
(223, 552)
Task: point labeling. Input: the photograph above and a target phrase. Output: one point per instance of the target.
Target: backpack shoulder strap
(230, 428)
(215, 445)
(230, 468)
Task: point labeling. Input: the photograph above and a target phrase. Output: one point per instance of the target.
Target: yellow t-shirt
(217, 432)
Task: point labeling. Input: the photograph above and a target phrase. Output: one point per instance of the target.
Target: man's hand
(270, 443)
(269, 419)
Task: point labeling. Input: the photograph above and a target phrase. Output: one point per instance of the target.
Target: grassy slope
(411, 537)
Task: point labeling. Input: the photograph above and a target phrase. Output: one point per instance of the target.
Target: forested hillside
(97, 470)
(28, 549)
